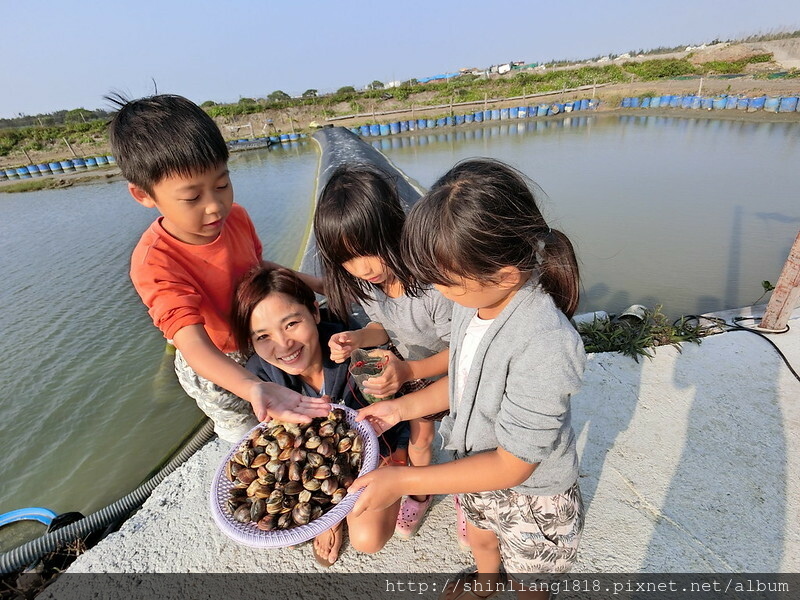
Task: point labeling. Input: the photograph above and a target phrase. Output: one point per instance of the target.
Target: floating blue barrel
(479, 116)
(431, 123)
(755, 104)
(586, 104)
(275, 139)
(646, 102)
(495, 114)
(513, 112)
(374, 129)
(719, 103)
(531, 111)
(469, 118)
(33, 170)
(11, 173)
(449, 121)
(293, 137)
(522, 112)
(284, 138)
(707, 104)
(569, 107)
(22, 173)
(788, 104)
(384, 129)
(79, 163)
(460, 119)
(55, 167)
(440, 122)
(487, 115)
(543, 110)
(394, 128)
(412, 125)
(693, 102)
(559, 106)
(771, 103)
(655, 101)
(422, 123)
(742, 103)
(731, 102)
(626, 102)
(102, 160)
(675, 101)
(403, 126)
(364, 130)
(503, 114)
(67, 165)
(635, 102)
(44, 168)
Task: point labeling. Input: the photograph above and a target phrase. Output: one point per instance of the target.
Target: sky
(66, 55)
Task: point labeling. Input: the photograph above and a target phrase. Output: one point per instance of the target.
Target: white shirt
(472, 338)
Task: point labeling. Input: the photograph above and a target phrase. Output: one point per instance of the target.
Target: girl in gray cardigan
(515, 360)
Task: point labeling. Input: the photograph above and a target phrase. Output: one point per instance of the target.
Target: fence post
(786, 295)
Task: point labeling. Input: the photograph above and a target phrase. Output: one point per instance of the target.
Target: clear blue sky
(64, 55)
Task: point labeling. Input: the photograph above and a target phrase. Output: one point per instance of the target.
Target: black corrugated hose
(22, 556)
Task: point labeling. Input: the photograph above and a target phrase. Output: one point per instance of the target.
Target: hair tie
(539, 250)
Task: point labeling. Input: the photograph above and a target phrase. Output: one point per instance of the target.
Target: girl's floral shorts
(536, 534)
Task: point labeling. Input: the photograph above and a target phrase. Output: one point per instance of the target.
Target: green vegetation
(636, 338)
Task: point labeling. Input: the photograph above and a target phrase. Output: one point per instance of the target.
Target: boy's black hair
(158, 136)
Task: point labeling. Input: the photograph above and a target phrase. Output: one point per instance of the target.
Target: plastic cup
(364, 365)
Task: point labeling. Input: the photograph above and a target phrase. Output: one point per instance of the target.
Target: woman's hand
(381, 415)
(273, 401)
(393, 375)
(342, 344)
(382, 488)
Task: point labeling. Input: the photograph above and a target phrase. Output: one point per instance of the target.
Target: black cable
(735, 326)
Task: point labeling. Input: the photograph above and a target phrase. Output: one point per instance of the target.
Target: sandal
(410, 516)
(467, 594)
(337, 532)
(463, 542)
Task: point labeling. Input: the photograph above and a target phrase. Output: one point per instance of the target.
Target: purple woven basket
(250, 535)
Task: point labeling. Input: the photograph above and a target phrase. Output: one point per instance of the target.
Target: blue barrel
(646, 102)
(771, 103)
(569, 107)
(364, 130)
(707, 103)
(412, 125)
(522, 112)
(543, 110)
(102, 160)
(479, 116)
(513, 112)
(655, 101)
(469, 118)
(487, 115)
(586, 104)
(431, 123)
(11, 173)
(496, 114)
(33, 170)
(719, 103)
(79, 163)
(635, 102)
(284, 138)
(531, 111)
(503, 114)
(440, 122)
(394, 128)
(22, 173)
(374, 129)
(731, 102)
(449, 121)
(559, 106)
(626, 102)
(695, 102)
(554, 109)
(788, 104)
(675, 101)
(403, 126)
(44, 168)
(422, 123)
(742, 103)
(460, 119)
(67, 165)
(111, 160)
(755, 104)
(55, 167)
(384, 129)
(293, 137)
(275, 139)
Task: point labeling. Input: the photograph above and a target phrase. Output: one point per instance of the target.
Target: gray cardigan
(517, 394)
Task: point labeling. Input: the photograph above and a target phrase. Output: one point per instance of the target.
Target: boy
(187, 264)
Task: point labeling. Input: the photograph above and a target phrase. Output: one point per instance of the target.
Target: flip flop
(338, 531)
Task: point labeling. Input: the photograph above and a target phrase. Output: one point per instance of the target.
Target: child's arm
(387, 413)
(397, 372)
(268, 399)
(342, 344)
(315, 283)
(492, 470)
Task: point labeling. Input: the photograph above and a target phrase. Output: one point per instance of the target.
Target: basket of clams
(285, 483)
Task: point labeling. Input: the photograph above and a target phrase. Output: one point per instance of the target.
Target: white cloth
(472, 338)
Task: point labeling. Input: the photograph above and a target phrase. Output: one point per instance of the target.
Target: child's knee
(367, 541)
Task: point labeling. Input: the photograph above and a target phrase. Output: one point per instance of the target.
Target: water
(690, 213)
(90, 401)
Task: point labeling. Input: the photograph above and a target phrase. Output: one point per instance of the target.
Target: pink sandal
(463, 543)
(410, 516)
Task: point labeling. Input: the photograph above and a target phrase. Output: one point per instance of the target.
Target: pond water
(686, 212)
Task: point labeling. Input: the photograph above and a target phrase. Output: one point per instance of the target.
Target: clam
(259, 460)
(327, 428)
(293, 488)
(247, 476)
(313, 442)
(344, 444)
(338, 495)
(312, 485)
(267, 523)
(301, 513)
(242, 514)
(258, 509)
(314, 460)
(329, 486)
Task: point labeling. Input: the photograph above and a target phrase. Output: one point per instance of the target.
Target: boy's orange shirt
(183, 284)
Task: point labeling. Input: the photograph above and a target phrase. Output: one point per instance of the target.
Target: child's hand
(394, 374)
(273, 401)
(341, 345)
(381, 415)
(382, 488)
